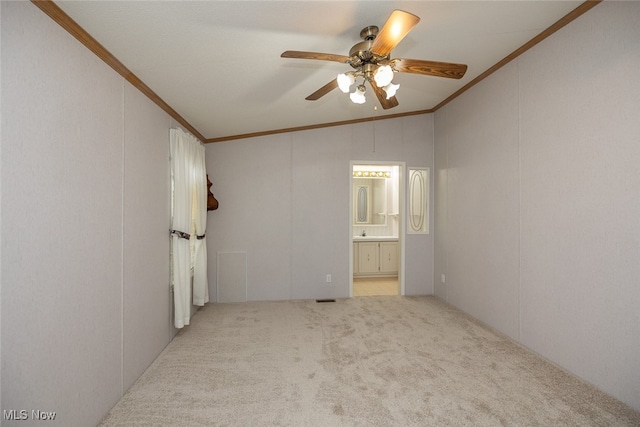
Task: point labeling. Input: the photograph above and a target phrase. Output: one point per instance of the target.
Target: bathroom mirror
(362, 204)
(418, 201)
(369, 201)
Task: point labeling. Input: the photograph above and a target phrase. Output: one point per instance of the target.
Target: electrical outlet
(442, 278)
(328, 278)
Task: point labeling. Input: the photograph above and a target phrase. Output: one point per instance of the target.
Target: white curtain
(188, 225)
(200, 283)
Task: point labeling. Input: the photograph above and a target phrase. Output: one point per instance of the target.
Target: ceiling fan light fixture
(357, 96)
(345, 80)
(383, 75)
(391, 89)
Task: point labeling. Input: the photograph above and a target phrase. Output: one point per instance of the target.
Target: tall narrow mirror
(369, 199)
(362, 204)
(418, 201)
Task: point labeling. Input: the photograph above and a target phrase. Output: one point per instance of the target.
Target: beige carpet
(369, 361)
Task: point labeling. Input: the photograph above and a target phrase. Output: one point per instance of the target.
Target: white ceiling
(218, 64)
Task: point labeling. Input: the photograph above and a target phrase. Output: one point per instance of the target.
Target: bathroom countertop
(374, 238)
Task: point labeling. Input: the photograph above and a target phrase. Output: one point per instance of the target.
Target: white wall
(284, 200)
(537, 169)
(146, 300)
(85, 301)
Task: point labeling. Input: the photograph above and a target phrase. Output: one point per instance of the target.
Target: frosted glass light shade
(383, 76)
(345, 81)
(357, 96)
(391, 89)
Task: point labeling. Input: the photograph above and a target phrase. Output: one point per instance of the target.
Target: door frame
(401, 217)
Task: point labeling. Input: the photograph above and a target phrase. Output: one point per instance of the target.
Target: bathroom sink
(377, 238)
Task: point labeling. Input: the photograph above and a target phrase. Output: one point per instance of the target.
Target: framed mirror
(418, 201)
(370, 201)
(362, 204)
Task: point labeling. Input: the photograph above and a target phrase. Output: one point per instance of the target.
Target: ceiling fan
(372, 61)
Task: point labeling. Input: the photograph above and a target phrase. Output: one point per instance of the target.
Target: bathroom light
(383, 75)
(345, 80)
(391, 89)
(372, 174)
(357, 96)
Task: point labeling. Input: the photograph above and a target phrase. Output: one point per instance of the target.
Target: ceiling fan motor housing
(360, 53)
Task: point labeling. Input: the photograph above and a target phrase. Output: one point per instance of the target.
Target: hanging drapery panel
(200, 283)
(188, 225)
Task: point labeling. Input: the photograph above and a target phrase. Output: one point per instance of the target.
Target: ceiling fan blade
(382, 97)
(393, 31)
(314, 55)
(430, 68)
(323, 90)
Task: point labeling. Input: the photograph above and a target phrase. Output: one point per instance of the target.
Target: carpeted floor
(370, 361)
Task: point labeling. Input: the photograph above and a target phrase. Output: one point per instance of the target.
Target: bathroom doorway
(376, 228)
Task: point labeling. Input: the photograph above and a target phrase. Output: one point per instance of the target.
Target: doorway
(376, 228)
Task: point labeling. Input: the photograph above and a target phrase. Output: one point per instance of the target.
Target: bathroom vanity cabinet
(375, 258)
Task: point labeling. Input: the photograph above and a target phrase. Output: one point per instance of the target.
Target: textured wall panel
(232, 276)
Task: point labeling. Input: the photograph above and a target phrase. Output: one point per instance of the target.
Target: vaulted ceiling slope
(216, 67)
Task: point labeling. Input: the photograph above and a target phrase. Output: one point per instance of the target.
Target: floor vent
(325, 300)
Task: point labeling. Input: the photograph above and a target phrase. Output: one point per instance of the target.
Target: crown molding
(72, 27)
